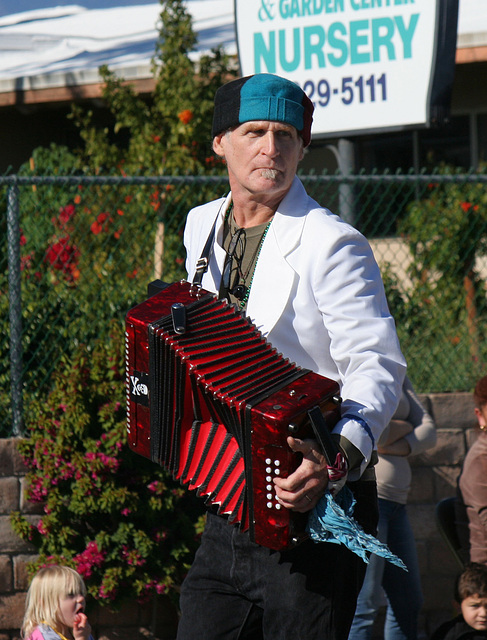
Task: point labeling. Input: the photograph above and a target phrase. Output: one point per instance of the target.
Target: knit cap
(263, 97)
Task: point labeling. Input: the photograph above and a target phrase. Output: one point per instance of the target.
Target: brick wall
(434, 477)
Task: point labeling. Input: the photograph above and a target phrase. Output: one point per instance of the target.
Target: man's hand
(81, 627)
(304, 487)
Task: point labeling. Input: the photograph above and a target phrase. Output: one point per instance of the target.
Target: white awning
(50, 43)
(472, 24)
(46, 44)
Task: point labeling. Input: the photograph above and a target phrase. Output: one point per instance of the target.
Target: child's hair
(48, 586)
(480, 393)
(471, 582)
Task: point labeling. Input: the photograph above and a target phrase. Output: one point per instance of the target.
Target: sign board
(367, 65)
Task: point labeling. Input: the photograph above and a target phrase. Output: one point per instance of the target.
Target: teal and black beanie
(263, 97)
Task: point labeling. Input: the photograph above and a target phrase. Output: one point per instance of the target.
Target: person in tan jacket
(473, 480)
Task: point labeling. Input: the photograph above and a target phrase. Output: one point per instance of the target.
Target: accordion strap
(204, 259)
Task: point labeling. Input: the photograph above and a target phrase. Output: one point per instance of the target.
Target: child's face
(474, 611)
(70, 605)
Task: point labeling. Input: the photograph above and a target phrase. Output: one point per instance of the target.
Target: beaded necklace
(242, 302)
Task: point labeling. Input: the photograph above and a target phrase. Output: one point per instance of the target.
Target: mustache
(269, 173)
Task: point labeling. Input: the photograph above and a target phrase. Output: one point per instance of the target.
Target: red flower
(26, 261)
(101, 223)
(186, 116)
(67, 212)
(65, 215)
(63, 256)
(465, 206)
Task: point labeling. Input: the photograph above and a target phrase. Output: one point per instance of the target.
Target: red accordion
(212, 401)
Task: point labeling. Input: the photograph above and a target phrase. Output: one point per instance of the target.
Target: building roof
(53, 48)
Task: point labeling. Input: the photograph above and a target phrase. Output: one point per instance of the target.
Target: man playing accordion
(310, 284)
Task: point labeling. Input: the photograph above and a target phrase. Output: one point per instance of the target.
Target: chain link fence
(78, 252)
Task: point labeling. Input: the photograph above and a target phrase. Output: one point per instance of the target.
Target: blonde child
(55, 606)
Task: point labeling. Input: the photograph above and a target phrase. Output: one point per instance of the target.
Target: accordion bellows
(213, 402)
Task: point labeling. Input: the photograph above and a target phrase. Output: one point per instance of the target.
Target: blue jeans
(402, 589)
(238, 590)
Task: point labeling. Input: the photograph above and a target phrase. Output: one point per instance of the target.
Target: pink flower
(155, 487)
(41, 528)
(37, 493)
(132, 557)
(106, 593)
(88, 559)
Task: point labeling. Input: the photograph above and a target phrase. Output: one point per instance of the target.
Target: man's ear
(480, 418)
(217, 145)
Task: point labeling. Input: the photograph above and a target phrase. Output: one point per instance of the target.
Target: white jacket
(317, 296)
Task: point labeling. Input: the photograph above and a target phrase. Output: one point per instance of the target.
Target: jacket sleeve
(423, 436)
(363, 338)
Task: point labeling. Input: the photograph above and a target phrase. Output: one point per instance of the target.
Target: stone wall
(155, 621)
(434, 477)
(435, 474)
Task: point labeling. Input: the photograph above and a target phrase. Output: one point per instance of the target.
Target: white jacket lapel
(274, 277)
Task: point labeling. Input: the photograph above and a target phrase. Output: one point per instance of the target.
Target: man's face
(262, 158)
(474, 611)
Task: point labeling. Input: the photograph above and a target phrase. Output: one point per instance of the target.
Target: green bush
(114, 516)
(441, 317)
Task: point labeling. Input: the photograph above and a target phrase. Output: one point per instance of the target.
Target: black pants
(237, 590)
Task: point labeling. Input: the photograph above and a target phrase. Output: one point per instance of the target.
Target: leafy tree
(170, 134)
(166, 135)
